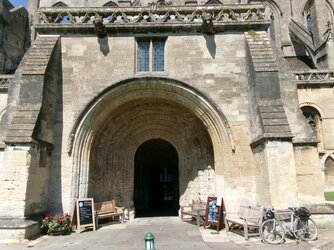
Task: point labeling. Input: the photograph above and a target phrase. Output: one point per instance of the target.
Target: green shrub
(329, 196)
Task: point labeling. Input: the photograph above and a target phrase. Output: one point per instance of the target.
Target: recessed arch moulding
(124, 116)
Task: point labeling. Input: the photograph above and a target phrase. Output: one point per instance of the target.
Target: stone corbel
(207, 23)
(100, 28)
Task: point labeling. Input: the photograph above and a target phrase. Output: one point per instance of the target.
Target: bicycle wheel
(305, 229)
(272, 231)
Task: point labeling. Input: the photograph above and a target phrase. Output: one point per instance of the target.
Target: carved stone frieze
(319, 77)
(5, 80)
(186, 15)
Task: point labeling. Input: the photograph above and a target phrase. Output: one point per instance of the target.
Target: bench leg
(246, 231)
(97, 222)
(227, 228)
(198, 220)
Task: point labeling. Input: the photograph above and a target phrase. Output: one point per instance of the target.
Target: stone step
(26, 113)
(23, 126)
(19, 133)
(37, 61)
(268, 69)
(279, 128)
(261, 51)
(274, 115)
(259, 47)
(264, 60)
(274, 122)
(33, 71)
(34, 68)
(37, 53)
(46, 40)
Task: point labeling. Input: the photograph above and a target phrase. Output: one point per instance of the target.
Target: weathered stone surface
(43, 47)
(14, 36)
(259, 45)
(226, 103)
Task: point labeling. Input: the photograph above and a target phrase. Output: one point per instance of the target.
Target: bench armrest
(186, 208)
(247, 218)
(120, 209)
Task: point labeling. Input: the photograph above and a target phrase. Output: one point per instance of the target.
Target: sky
(19, 2)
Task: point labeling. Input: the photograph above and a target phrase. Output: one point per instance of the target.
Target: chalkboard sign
(214, 214)
(84, 209)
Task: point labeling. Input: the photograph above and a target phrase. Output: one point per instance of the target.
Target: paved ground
(170, 233)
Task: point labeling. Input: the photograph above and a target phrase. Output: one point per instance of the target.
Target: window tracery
(329, 172)
(309, 22)
(313, 118)
(151, 55)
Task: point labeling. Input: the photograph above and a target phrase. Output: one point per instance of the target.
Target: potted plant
(57, 225)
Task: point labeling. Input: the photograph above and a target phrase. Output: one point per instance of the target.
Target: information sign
(84, 210)
(214, 215)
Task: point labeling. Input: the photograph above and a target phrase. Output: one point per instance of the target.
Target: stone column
(13, 181)
(276, 181)
(279, 157)
(19, 181)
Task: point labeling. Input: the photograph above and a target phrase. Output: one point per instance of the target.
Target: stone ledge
(325, 208)
(15, 230)
(14, 223)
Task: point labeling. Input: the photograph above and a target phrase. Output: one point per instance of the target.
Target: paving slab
(170, 233)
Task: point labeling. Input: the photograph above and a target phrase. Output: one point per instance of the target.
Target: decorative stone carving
(151, 14)
(100, 29)
(207, 23)
(314, 76)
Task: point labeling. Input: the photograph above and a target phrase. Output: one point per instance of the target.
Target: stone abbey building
(156, 103)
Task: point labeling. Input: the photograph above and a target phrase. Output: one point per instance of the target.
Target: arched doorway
(156, 188)
(110, 130)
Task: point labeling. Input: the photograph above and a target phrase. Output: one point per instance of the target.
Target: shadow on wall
(202, 186)
(104, 46)
(55, 204)
(211, 44)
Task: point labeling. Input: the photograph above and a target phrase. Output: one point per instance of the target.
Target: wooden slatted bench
(249, 217)
(196, 210)
(108, 209)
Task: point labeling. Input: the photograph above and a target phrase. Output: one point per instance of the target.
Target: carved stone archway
(125, 115)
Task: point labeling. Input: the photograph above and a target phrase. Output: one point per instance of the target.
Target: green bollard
(149, 241)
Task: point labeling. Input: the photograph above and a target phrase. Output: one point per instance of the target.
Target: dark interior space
(156, 179)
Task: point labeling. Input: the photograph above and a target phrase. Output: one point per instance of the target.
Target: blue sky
(19, 2)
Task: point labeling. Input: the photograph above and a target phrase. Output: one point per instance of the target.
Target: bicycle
(299, 225)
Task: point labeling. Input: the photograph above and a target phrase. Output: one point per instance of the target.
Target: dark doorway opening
(156, 179)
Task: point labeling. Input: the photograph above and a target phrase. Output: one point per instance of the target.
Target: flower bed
(56, 225)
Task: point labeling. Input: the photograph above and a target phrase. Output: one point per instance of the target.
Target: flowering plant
(58, 223)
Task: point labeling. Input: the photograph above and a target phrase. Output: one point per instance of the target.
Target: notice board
(83, 215)
(214, 213)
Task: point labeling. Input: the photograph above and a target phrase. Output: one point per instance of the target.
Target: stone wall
(322, 99)
(207, 63)
(14, 36)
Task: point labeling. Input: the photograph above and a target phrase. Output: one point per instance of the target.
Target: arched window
(329, 173)
(274, 13)
(313, 118)
(309, 22)
(272, 28)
